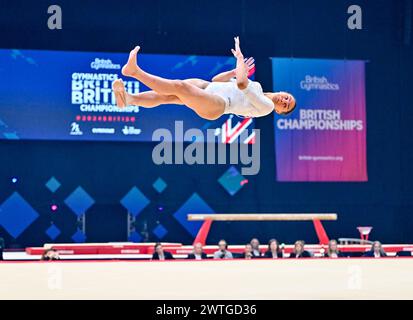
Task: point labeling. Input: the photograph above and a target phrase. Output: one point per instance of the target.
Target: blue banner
(324, 139)
(67, 95)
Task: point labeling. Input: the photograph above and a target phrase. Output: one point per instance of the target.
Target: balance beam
(316, 218)
(262, 216)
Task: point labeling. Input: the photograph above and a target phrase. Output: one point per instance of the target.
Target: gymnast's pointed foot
(120, 94)
(131, 67)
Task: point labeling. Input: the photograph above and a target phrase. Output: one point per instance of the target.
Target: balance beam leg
(321, 232)
(203, 232)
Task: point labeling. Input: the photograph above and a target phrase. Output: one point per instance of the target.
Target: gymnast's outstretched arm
(255, 96)
(224, 76)
(228, 75)
(241, 70)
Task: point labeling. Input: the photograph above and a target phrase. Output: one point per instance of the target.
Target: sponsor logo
(318, 83)
(104, 64)
(130, 130)
(75, 129)
(103, 130)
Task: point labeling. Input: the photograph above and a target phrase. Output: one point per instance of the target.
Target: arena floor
(390, 278)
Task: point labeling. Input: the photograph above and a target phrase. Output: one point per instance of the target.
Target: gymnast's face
(284, 102)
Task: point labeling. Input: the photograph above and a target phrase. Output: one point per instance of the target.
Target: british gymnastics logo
(318, 83)
(104, 64)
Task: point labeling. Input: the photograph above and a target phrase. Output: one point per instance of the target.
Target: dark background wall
(107, 170)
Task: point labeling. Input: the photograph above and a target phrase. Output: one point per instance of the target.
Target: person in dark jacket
(248, 252)
(376, 251)
(50, 254)
(160, 254)
(274, 250)
(299, 250)
(255, 243)
(198, 253)
(332, 250)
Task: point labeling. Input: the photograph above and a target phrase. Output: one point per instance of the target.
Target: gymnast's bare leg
(149, 99)
(206, 105)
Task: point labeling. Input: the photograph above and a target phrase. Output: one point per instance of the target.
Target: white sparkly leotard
(250, 102)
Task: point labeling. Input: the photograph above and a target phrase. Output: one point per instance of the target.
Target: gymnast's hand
(242, 68)
(250, 64)
(237, 51)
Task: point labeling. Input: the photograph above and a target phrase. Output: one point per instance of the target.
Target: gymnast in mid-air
(229, 92)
